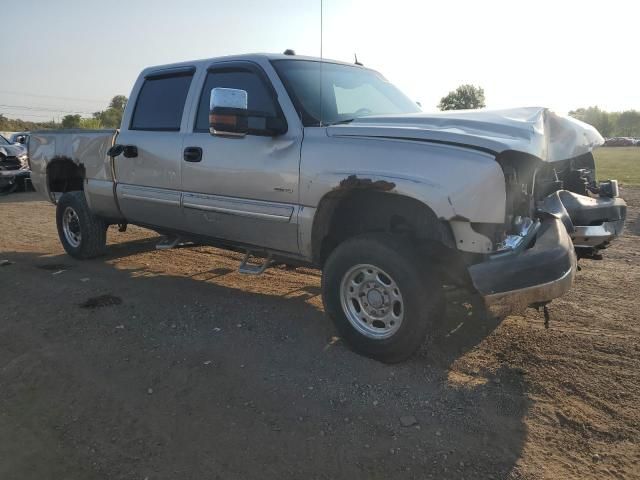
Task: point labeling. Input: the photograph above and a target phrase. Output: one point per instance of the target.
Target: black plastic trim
(170, 72)
(586, 211)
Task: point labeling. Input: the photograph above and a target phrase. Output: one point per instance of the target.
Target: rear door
(148, 175)
(243, 189)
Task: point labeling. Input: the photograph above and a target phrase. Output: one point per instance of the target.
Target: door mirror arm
(276, 126)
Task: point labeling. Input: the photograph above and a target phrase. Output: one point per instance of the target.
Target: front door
(148, 172)
(243, 189)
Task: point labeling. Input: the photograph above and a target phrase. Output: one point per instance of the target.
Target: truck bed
(86, 148)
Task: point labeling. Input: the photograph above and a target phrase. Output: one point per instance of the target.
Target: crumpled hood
(533, 130)
(12, 150)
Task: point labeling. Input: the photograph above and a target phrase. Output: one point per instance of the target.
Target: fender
(456, 183)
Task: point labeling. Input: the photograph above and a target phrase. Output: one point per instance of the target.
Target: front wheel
(382, 299)
(82, 234)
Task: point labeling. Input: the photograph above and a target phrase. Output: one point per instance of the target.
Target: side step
(168, 242)
(247, 269)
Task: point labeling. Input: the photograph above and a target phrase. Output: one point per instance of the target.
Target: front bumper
(511, 282)
(594, 221)
(593, 236)
(543, 266)
(9, 178)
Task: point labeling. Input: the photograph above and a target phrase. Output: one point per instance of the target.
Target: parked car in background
(19, 138)
(621, 142)
(15, 171)
(391, 203)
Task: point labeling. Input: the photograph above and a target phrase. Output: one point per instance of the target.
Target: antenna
(356, 59)
(321, 60)
(321, 2)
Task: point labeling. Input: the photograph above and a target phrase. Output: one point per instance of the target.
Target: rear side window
(161, 102)
(260, 101)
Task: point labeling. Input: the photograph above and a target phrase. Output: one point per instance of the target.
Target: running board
(168, 242)
(248, 269)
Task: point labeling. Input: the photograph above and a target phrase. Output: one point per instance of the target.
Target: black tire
(422, 296)
(92, 230)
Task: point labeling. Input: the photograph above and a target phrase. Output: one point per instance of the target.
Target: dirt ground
(150, 364)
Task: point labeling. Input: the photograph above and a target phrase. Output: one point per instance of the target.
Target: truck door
(243, 189)
(148, 172)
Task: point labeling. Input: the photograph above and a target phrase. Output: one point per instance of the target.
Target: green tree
(112, 116)
(610, 124)
(90, 123)
(4, 123)
(71, 121)
(118, 103)
(629, 124)
(462, 98)
(600, 119)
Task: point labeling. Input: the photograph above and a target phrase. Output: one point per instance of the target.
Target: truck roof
(247, 56)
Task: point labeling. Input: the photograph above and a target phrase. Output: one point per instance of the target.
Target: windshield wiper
(340, 122)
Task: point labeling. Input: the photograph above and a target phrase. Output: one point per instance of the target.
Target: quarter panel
(101, 199)
(87, 148)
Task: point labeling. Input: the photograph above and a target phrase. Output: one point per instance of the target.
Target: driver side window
(261, 103)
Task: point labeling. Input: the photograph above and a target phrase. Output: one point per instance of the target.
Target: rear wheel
(82, 234)
(382, 300)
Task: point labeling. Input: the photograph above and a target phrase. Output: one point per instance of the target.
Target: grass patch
(620, 163)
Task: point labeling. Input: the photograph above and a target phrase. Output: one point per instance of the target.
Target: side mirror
(228, 115)
(22, 139)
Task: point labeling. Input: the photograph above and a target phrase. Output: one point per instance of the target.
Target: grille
(10, 163)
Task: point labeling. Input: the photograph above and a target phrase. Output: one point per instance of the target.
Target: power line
(30, 115)
(93, 100)
(39, 109)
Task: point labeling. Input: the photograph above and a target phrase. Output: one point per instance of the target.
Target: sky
(72, 56)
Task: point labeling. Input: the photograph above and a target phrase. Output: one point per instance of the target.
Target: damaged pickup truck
(14, 167)
(303, 161)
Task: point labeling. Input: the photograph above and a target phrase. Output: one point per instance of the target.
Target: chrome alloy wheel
(71, 227)
(372, 301)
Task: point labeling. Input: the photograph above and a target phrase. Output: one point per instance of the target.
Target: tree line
(108, 118)
(610, 124)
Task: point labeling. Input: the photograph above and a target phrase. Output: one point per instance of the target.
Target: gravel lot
(150, 364)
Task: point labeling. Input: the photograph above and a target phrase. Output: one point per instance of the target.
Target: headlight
(24, 161)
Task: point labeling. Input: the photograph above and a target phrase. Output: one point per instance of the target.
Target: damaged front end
(557, 213)
(14, 173)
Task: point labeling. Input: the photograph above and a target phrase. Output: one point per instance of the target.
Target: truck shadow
(218, 379)
(22, 197)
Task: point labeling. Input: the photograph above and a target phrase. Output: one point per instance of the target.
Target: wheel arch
(64, 175)
(346, 212)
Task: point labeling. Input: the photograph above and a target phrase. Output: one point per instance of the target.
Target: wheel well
(344, 214)
(64, 175)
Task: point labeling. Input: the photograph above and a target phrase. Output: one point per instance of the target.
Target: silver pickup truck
(304, 161)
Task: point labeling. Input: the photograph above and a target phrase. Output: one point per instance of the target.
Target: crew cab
(306, 161)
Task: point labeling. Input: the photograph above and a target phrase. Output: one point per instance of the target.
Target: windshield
(4, 141)
(348, 92)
